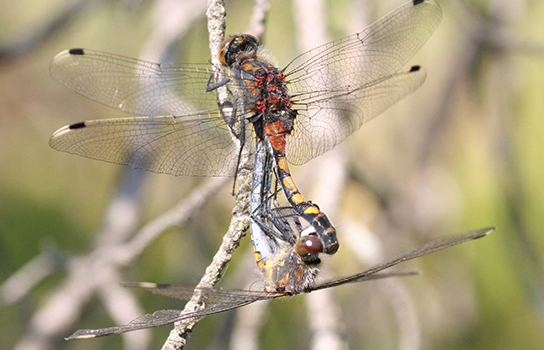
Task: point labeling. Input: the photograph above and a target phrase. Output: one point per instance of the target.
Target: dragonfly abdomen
(276, 135)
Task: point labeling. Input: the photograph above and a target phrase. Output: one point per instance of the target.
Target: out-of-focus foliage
(465, 151)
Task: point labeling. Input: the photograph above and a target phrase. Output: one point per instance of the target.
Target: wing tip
(82, 334)
(484, 232)
(53, 140)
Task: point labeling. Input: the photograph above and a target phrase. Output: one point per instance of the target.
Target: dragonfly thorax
(262, 87)
(289, 272)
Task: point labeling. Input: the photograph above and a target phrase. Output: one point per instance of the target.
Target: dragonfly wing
(134, 86)
(211, 295)
(329, 75)
(198, 145)
(420, 250)
(325, 123)
(158, 318)
(222, 302)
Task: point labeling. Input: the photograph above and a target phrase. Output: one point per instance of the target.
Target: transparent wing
(323, 124)
(182, 132)
(341, 85)
(134, 86)
(211, 295)
(156, 319)
(420, 250)
(198, 145)
(223, 300)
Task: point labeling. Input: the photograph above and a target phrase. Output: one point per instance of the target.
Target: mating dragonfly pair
(329, 92)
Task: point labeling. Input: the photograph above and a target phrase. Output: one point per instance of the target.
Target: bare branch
(217, 14)
(258, 18)
(240, 215)
(98, 272)
(20, 283)
(238, 226)
(168, 28)
(177, 216)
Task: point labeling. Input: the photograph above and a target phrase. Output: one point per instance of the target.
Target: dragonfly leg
(217, 85)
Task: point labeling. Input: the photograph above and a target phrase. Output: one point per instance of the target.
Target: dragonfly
(302, 110)
(221, 300)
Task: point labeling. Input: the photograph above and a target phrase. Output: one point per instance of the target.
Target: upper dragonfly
(329, 91)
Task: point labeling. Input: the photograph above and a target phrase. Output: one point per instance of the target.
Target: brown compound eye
(308, 245)
(224, 48)
(235, 44)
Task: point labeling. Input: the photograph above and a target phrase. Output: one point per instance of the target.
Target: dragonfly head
(236, 44)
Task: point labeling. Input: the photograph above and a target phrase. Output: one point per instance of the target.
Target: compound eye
(250, 38)
(308, 245)
(223, 49)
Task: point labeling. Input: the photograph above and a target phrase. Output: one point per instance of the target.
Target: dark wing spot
(76, 52)
(417, 2)
(77, 126)
(415, 68)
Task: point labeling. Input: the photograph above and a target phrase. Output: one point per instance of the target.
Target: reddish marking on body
(275, 129)
(276, 135)
(274, 99)
(278, 143)
(261, 105)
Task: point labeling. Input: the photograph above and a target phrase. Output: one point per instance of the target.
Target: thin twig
(177, 216)
(168, 29)
(240, 214)
(258, 18)
(19, 284)
(238, 226)
(98, 272)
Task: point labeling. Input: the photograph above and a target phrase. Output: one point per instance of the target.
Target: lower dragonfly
(221, 300)
(287, 254)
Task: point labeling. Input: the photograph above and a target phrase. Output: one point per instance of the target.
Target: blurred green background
(465, 151)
